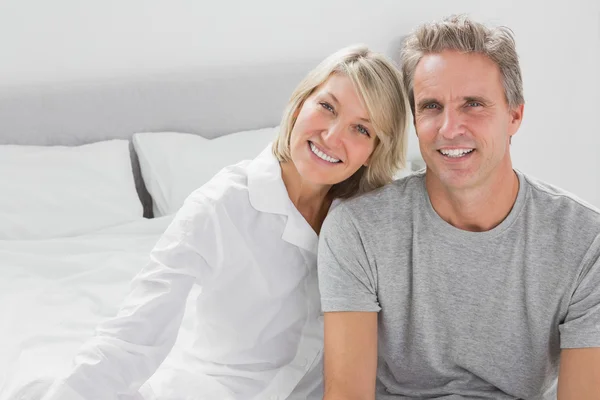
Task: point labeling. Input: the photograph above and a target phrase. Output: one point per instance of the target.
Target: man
(473, 280)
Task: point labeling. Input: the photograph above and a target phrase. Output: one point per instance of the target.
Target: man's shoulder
(564, 204)
(552, 195)
(392, 200)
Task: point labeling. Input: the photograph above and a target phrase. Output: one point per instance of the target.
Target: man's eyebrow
(466, 99)
(428, 100)
(478, 99)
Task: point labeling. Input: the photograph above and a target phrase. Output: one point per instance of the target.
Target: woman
(249, 238)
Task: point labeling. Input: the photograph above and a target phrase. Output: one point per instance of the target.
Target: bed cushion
(58, 191)
(174, 164)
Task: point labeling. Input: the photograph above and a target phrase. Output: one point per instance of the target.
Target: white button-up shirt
(259, 332)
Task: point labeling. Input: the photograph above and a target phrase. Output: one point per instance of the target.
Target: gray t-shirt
(466, 315)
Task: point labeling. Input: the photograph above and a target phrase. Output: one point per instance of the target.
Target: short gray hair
(460, 33)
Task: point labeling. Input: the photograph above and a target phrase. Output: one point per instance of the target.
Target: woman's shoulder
(227, 186)
(223, 198)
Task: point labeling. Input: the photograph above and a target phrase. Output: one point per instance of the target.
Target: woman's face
(332, 137)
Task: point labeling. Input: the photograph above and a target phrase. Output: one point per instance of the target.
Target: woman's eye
(363, 130)
(327, 106)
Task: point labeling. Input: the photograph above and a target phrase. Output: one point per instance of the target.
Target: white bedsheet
(53, 293)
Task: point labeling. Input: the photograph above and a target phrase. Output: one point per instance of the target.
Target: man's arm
(579, 374)
(348, 284)
(350, 355)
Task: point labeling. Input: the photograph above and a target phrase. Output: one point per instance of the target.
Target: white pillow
(173, 165)
(56, 191)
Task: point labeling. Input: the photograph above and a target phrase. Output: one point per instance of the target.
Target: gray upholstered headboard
(209, 102)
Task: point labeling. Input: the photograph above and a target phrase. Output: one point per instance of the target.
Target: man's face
(462, 119)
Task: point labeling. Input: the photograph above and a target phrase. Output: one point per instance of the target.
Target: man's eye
(430, 106)
(474, 104)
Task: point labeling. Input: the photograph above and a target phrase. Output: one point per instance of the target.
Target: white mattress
(53, 293)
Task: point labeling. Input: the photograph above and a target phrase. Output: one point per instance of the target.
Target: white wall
(559, 45)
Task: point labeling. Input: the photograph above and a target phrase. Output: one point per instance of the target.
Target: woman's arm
(127, 349)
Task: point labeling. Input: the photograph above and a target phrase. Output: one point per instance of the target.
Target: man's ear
(516, 117)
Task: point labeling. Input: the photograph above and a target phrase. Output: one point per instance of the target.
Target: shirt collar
(268, 194)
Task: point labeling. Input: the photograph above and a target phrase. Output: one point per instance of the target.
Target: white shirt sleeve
(128, 348)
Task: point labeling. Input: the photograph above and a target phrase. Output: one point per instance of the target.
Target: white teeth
(322, 155)
(455, 152)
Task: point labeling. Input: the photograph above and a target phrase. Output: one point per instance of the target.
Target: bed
(91, 173)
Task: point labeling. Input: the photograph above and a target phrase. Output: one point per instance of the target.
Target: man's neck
(476, 209)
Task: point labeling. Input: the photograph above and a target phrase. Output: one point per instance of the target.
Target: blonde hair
(379, 84)
(460, 33)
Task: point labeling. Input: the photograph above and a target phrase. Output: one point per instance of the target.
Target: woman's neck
(312, 201)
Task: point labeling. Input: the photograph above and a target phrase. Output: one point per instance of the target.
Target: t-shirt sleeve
(581, 327)
(346, 278)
